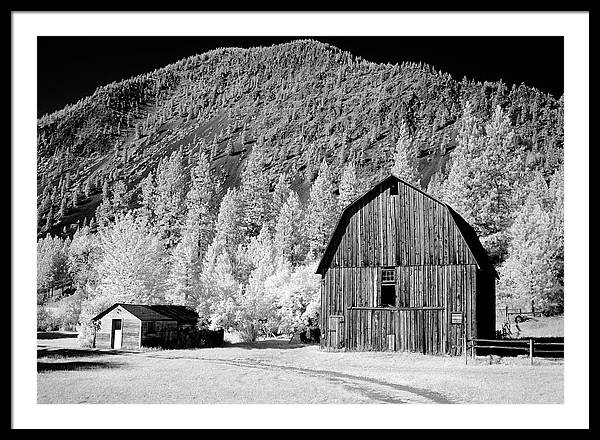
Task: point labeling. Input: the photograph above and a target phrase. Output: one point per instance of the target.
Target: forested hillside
(224, 173)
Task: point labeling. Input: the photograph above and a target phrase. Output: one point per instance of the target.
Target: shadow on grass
(76, 352)
(281, 344)
(56, 335)
(74, 366)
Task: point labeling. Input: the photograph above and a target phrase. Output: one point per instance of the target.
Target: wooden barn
(132, 326)
(402, 271)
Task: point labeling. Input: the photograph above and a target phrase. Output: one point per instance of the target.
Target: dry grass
(278, 372)
(543, 326)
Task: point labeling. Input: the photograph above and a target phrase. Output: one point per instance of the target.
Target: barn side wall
(426, 296)
(131, 329)
(486, 306)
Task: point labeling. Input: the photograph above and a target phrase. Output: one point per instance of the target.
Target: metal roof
(155, 312)
(182, 314)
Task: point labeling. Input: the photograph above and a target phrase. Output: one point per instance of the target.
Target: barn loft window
(388, 287)
(394, 190)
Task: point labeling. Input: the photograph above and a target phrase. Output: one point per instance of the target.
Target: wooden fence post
(465, 348)
(473, 349)
(531, 351)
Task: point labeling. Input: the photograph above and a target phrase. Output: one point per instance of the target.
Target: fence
(549, 347)
(506, 313)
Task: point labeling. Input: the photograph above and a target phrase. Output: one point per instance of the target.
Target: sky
(70, 68)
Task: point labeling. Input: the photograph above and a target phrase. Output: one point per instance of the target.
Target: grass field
(275, 371)
(541, 326)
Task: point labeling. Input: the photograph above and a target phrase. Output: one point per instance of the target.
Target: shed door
(117, 333)
(335, 329)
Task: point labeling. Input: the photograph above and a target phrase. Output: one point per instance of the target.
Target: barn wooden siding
(410, 229)
(426, 295)
(131, 329)
(436, 274)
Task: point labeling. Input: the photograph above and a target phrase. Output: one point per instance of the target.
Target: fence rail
(530, 346)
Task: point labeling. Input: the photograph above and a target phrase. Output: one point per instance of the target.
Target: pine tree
(201, 204)
(403, 156)
(289, 238)
(435, 182)
(254, 193)
(105, 190)
(228, 231)
(49, 219)
(485, 169)
(184, 271)
(120, 200)
(63, 207)
(322, 211)
(82, 253)
(148, 198)
(348, 186)
(280, 195)
(534, 267)
(87, 189)
(197, 232)
(229, 148)
(164, 198)
(75, 195)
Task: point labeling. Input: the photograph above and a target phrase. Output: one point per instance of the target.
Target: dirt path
(373, 389)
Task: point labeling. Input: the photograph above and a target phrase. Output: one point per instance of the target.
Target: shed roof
(465, 229)
(182, 314)
(154, 312)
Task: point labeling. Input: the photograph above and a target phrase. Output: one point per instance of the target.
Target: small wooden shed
(403, 271)
(132, 326)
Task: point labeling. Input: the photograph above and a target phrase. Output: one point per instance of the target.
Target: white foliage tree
(256, 304)
(322, 211)
(130, 268)
(219, 291)
(82, 258)
(485, 169)
(348, 186)
(289, 240)
(534, 267)
(254, 193)
(196, 233)
(163, 198)
(299, 298)
(280, 195)
(52, 257)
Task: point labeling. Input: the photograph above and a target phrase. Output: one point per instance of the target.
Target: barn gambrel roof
(466, 230)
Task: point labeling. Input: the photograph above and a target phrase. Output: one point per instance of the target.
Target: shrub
(46, 320)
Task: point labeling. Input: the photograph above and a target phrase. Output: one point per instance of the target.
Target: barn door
(117, 334)
(335, 331)
(420, 331)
